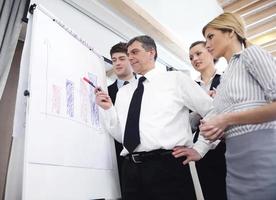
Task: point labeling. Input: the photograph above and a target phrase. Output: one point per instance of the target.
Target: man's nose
(195, 58)
(116, 63)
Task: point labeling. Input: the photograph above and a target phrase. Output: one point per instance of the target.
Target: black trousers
(162, 178)
(211, 171)
(120, 159)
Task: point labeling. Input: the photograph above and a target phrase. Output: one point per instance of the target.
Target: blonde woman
(246, 107)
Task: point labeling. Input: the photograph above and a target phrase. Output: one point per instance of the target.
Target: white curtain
(11, 14)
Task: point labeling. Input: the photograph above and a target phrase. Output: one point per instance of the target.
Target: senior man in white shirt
(151, 119)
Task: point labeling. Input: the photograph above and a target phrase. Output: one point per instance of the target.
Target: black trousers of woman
(211, 170)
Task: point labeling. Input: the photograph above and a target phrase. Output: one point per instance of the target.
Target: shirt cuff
(214, 144)
(202, 147)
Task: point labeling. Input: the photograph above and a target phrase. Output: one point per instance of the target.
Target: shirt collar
(120, 82)
(236, 55)
(198, 79)
(152, 73)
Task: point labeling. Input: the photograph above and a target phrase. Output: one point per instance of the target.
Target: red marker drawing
(88, 81)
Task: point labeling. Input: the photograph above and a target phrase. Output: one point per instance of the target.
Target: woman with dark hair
(211, 168)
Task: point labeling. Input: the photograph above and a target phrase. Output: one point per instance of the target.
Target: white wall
(7, 106)
(185, 19)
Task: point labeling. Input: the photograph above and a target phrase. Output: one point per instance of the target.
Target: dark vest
(214, 84)
(213, 166)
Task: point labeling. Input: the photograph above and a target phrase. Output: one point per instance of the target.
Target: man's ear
(152, 52)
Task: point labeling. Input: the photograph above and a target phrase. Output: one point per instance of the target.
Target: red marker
(88, 81)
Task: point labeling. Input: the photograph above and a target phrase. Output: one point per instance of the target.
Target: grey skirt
(251, 166)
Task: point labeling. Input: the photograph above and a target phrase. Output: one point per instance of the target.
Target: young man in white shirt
(124, 73)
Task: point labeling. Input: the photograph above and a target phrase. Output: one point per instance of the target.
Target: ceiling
(260, 20)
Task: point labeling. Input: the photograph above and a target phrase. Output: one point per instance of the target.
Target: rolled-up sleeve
(197, 100)
(262, 66)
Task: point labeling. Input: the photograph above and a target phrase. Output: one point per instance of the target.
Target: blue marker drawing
(70, 98)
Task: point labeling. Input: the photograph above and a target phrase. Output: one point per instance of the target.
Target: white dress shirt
(120, 83)
(164, 117)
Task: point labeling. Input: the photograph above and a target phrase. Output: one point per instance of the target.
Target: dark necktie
(126, 82)
(132, 136)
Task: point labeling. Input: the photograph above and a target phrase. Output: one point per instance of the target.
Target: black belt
(140, 157)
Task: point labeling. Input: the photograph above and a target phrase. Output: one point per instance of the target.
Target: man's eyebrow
(134, 50)
(122, 56)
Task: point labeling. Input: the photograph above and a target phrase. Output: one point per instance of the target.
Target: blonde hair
(229, 22)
